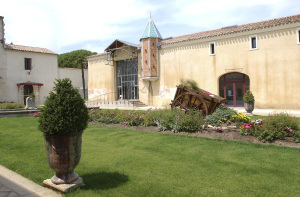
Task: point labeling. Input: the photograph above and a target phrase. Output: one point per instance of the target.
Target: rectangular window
(253, 42)
(212, 48)
(27, 63)
(298, 36)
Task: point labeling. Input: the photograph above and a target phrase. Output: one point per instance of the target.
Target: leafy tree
(75, 59)
(71, 59)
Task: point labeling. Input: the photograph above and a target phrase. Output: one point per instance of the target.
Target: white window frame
(298, 36)
(250, 42)
(214, 44)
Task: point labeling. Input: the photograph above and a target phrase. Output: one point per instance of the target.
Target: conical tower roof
(151, 31)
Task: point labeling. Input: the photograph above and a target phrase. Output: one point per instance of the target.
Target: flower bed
(165, 119)
(277, 126)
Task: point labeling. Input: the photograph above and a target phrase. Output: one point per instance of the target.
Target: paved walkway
(15, 185)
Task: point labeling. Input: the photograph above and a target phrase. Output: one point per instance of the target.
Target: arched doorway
(233, 86)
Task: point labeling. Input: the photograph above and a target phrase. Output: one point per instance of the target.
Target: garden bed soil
(227, 134)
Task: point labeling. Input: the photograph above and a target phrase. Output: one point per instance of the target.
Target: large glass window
(127, 79)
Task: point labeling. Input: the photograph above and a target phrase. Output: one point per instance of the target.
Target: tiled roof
(151, 31)
(234, 29)
(28, 49)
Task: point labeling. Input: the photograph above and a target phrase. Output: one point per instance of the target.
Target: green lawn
(124, 162)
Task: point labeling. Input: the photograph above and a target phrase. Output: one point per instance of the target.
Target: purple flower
(219, 128)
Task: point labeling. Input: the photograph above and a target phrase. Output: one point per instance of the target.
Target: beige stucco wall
(75, 75)
(44, 70)
(273, 68)
(101, 83)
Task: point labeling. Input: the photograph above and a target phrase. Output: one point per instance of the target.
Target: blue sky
(67, 25)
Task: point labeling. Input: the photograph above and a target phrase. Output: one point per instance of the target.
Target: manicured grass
(124, 162)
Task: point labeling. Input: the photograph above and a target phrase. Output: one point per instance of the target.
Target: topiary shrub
(248, 97)
(64, 111)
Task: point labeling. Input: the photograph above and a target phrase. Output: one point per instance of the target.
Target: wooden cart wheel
(190, 101)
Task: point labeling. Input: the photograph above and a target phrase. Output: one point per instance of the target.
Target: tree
(67, 60)
(75, 59)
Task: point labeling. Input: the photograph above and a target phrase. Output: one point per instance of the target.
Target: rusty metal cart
(190, 99)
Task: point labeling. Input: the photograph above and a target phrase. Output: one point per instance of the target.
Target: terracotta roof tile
(234, 29)
(28, 49)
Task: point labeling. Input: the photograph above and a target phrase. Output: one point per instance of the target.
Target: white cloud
(57, 24)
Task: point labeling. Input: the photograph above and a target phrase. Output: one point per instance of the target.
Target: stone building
(261, 56)
(25, 70)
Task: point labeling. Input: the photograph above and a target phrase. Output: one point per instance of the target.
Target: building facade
(25, 70)
(262, 56)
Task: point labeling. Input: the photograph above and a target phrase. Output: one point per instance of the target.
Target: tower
(149, 50)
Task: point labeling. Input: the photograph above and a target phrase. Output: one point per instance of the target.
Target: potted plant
(62, 121)
(249, 101)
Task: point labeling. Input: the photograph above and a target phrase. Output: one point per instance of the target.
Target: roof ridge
(239, 28)
(28, 48)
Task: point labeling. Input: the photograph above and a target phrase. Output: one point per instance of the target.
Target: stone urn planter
(62, 121)
(249, 107)
(63, 154)
(249, 102)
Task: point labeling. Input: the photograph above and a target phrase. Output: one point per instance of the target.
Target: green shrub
(164, 119)
(11, 106)
(248, 97)
(281, 124)
(150, 117)
(276, 126)
(189, 121)
(64, 111)
(221, 115)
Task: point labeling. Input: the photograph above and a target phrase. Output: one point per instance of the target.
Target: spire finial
(150, 15)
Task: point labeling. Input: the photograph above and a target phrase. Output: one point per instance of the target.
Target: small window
(27, 63)
(298, 36)
(253, 42)
(212, 48)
